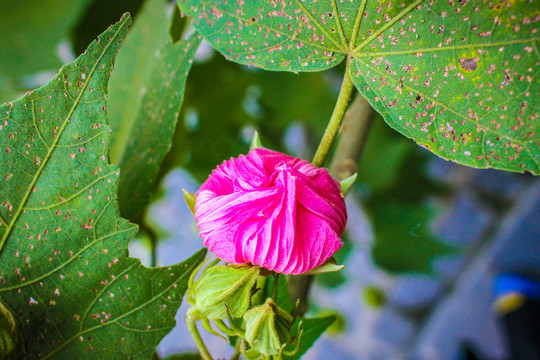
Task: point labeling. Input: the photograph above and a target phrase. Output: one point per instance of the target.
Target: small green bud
(8, 332)
(220, 287)
(268, 328)
(255, 141)
(347, 183)
(329, 265)
(190, 200)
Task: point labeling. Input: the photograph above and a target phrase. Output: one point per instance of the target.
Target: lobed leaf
(457, 77)
(64, 270)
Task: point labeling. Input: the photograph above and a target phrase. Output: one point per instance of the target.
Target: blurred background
(427, 240)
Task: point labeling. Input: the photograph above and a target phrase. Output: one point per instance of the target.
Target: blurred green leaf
(146, 92)
(64, 262)
(210, 132)
(177, 26)
(396, 189)
(34, 33)
(457, 77)
(8, 91)
(383, 157)
(98, 15)
(404, 241)
(374, 296)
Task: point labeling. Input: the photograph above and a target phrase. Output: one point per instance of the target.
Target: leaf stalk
(192, 327)
(335, 120)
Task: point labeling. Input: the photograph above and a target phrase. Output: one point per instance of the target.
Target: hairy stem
(237, 347)
(354, 133)
(192, 327)
(336, 119)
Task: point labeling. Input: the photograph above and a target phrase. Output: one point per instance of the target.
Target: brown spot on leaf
(469, 64)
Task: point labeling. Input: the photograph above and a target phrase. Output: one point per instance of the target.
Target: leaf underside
(457, 77)
(64, 268)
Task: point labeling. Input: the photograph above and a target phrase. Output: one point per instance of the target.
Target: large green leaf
(32, 32)
(147, 88)
(64, 269)
(457, 77)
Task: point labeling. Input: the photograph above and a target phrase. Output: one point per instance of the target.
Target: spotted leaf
(65, 274)
(458, 77)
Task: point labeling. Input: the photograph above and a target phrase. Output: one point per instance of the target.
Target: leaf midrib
(445, 48)
(57, 139)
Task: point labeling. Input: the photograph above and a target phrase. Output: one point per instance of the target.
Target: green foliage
(268, 328)
(456, 77)
(146, 91)
(396, 201)
(312, 330)
(312, 327)
(64, 267)
(98, 15)
(220, 287)
(405, 242)
(26, 48)
(208, 135)
(374, 296)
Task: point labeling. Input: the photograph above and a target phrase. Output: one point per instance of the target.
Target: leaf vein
(57, 139)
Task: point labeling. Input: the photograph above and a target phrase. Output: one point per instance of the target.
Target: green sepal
(221, 286)
(347, 183)
(296, 342)
(223, 327)
(9, 336)
(252, 354)
(255, 141)
(268, 328)
(329, 265)
(234, 326)
(190, 200)
(206, 324)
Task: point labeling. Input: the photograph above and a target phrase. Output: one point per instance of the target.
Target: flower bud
(271, 210)
(268, 328)
(220, 287)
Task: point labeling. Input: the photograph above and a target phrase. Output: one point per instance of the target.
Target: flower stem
(192, 327)
(336, 119)
(355, 129)
(237, 348)
(275, 287)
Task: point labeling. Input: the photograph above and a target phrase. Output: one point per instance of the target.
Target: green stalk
(237, 347)
(192, 327)
(336, 119)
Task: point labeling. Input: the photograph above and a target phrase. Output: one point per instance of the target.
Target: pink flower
(272, 210)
